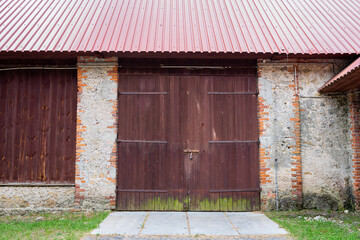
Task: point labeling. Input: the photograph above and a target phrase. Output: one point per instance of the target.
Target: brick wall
(296, 170)
(264, 158)
(354, 104)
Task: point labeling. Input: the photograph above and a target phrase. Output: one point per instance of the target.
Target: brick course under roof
(181, 26)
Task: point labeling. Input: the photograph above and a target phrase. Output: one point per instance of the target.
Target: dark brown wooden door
(188, 143)
(222, 128)
(150, 165)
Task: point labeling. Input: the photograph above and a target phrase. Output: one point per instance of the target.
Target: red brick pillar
(296, 170)
(354, 100)
(264, 158)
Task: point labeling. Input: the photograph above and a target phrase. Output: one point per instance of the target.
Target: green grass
(53, 226)
(336, 225)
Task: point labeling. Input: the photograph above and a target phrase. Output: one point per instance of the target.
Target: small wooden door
(188, 143)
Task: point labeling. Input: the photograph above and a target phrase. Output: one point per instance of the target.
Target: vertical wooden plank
(3, 105)
(175, 163)
(72, 143)
(54, 129)
(19, 101)
(66, 122)
(44, 91)
(24, 131)
(120, 152)
(32, 124)
(51, 103)
(35, 147)
(11, 126)
(30, 147)
(7, 148)
(40, 138)
(60, 133)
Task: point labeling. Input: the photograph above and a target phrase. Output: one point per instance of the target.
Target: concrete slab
(210, 223)
(122, 223)
(175, 224)
(248, 223)
(166, 223)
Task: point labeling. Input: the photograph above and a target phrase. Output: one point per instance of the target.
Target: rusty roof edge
(341, 75)
(222, 55)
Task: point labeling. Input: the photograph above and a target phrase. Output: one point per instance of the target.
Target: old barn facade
(229, 105)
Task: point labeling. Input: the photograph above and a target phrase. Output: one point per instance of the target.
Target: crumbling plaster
(324, 132)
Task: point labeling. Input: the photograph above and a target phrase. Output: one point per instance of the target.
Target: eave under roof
(346, 80)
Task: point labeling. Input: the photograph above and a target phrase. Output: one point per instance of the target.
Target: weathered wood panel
(188, 141)
(150, 169)
(37, 125)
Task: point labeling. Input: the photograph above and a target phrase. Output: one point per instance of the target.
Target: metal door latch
(191, 152)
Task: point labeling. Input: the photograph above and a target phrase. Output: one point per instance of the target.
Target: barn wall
(306, 132)
(95, 174)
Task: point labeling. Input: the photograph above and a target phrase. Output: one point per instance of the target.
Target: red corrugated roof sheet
(211, 26)
(347, 79)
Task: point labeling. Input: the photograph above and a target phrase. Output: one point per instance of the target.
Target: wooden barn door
(221, 148)
(150, 165)
(188, 143)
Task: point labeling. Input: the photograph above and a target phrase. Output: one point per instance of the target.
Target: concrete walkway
(188, 224)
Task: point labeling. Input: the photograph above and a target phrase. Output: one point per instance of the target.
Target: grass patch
(51, 226)
(319, 225)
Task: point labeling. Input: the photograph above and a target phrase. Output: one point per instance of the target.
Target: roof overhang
(178, 55)
(348, 79)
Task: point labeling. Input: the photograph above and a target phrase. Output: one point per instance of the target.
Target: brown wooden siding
(37, 126)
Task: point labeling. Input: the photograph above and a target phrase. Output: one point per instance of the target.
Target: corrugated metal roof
(210, 26)
(347, 79)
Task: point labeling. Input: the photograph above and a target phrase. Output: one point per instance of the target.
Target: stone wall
(326, 151)
(306, 132)
(15, 199)
(95, 176)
